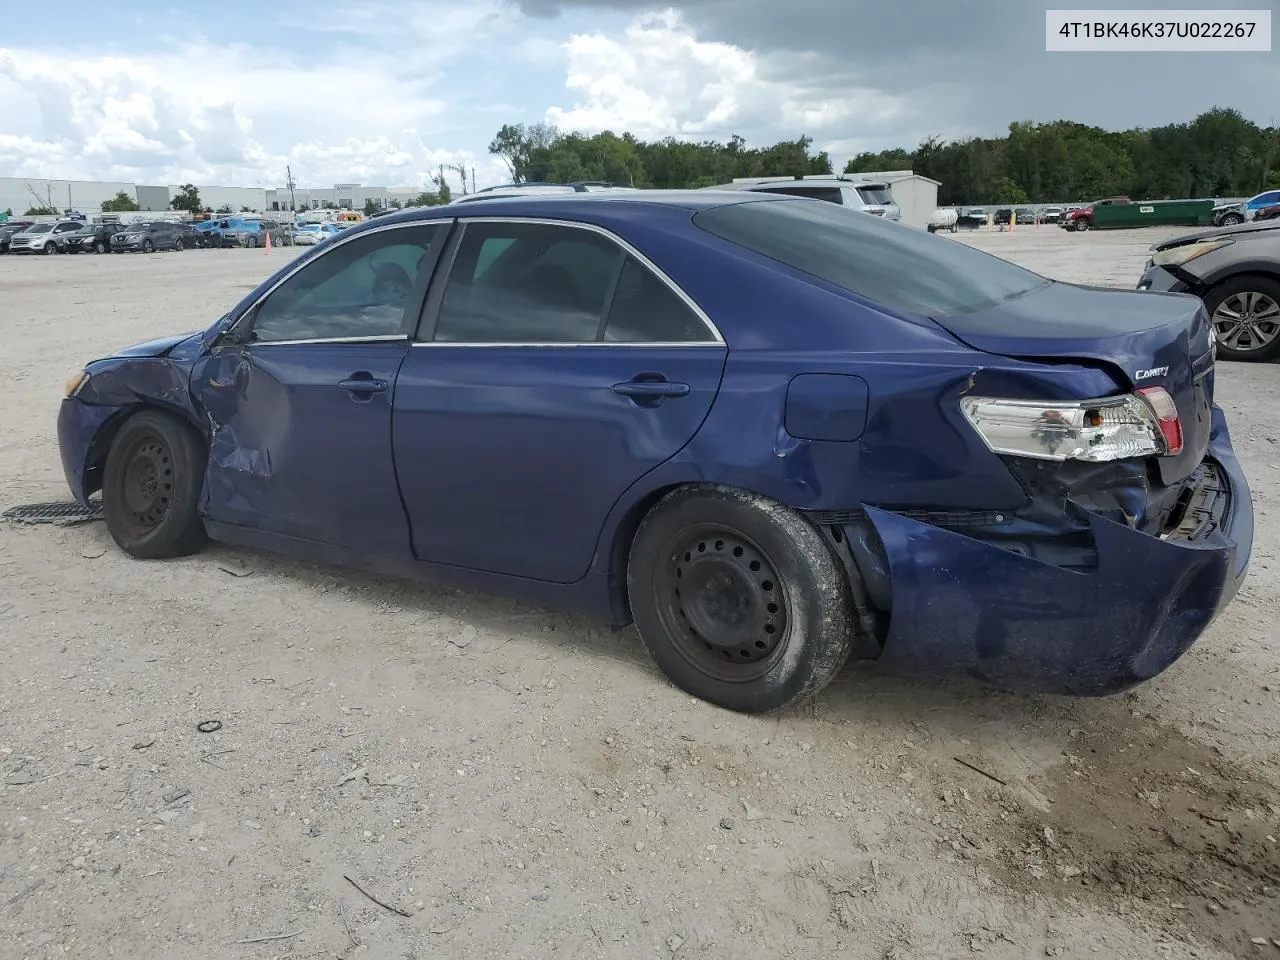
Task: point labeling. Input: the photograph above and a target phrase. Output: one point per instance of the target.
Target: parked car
(940, 459)
(251, 231)
(189, 235)
(1081, 218)
(846, 190)
(1236, 272)
(309, 234)
(8, 228)
(944, 218)
(1003, 217)
(92, 237)
(1268, 213)
(1050, 214)
(209, 234)
(1025, 215)
(48, 237)
(1231, 214)
(146, 237)
(975, 217)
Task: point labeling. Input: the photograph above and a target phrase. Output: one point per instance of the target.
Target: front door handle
(363, 385)
(651, 389)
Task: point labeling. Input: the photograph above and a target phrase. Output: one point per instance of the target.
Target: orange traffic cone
(268, 241)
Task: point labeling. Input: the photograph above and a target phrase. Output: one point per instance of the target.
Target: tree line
(1218, 154)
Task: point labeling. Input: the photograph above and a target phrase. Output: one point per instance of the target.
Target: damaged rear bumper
(965, 606)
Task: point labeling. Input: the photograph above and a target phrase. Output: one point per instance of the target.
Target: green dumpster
(1154, 213)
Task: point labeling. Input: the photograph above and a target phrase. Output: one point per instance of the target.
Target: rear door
(555, 368)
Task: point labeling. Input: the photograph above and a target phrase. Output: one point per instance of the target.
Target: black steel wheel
(151, 484)
(739, 599)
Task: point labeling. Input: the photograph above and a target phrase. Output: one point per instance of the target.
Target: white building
(915, 195)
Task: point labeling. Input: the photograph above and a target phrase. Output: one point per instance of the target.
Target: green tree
(1008, 193)
(120, 203)
(371, 207)
(41, 212)
(188, 199)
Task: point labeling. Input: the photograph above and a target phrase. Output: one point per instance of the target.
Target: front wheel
(1232, 220)
(50, 248)
(739, 599)
(148, 246)
(151, 485)
(99, 247)
(1245, 313)
(1081, 225)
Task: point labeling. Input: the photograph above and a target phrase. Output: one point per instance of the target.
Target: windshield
(896, 266)
(875, 195)
(40, 228)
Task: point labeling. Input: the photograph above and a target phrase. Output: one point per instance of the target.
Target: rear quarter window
(875, 196)
(899, 267)
(829, 194)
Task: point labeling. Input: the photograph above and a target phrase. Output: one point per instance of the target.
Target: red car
(1082, 219)
(1268, 213)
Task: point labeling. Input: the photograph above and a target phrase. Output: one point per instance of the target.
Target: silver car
(48, 237)
(848, 190)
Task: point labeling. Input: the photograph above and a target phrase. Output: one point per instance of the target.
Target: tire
(99, 247)
(1081, 225)
(151, 485)
(50, 248)
(790, 625)
(1251, 302)
(1232, 219)
(148, 246)
(251, 241)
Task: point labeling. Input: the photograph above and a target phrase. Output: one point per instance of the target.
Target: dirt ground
(512, 783)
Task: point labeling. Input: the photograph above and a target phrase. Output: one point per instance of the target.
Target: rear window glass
(875, 196)
(899, 267)
(829, 194)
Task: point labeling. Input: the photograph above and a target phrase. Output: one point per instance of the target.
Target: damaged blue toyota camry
(771, 432)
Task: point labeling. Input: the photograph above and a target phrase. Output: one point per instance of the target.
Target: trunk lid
(1145, 339)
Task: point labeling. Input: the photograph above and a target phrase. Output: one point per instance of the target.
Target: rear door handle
(365, 385)
(651, 389)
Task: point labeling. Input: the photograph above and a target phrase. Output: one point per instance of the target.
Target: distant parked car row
(144, 236)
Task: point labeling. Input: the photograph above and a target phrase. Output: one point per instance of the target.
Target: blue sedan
(771, 432)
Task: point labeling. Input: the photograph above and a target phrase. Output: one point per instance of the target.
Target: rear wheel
(99, 247)
(150, 487)
(1245, 312)
(738, 599)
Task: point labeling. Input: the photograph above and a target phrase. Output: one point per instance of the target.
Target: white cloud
(236, 115)
(658, 79)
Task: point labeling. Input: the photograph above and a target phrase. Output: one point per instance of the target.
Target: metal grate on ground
(60, 514)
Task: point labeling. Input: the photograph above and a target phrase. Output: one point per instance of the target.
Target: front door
(558, 369)
(300, 402)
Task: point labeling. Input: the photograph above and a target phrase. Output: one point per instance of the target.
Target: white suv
(848, 190)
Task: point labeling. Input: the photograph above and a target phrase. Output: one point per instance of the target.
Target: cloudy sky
(383, 91)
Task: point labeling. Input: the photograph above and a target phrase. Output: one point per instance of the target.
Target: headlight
(1114, 428)
(1178, 255)
(134, 236)
(75, 383)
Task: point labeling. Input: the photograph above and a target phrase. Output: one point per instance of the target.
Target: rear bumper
(964, 607)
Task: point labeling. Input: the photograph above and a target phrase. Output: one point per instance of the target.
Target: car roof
(571, 206)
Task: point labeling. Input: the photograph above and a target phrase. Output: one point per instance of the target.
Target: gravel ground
(510, 783)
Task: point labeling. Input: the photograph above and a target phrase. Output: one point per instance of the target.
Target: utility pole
(473, 179)
(288, 182)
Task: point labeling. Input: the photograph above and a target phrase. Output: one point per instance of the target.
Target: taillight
(1141, 424)
(1166, 412)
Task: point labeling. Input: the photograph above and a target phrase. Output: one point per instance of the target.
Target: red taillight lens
(1166, 412)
